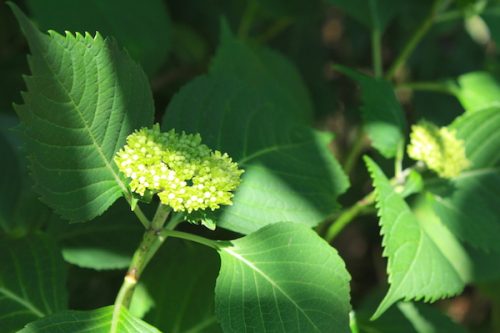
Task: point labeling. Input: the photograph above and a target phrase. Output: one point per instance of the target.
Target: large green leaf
(422, 258)
(32, 281)
(84, 97)
(143, 30)
(382, 114)
(95, 321)
(290, 174)
(468, 204)
(181, 280)
(282, 278)
(107, 242)
(478, 90)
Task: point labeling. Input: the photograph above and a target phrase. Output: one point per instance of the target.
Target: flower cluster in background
(438, 148)
(185, 173)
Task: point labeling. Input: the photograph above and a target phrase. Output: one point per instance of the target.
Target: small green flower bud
(185, 173)
(438, 148)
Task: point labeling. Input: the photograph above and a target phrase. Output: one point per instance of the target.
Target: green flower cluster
(185, 173)
(438, 148)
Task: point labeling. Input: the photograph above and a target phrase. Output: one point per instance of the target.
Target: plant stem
(247, 19)
(140, 215)
(398, 163)
(353, 323)
(415, 39)
(274, 30)
(376, 41)
(191, 237)
(150, 243)
(348, 215)
(439, 87)
(356, 150)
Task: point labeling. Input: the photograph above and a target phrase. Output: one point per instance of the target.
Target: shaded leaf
(95, 321)
(371, 13)
(181, 280)
(107, 242)
(282, 278)
(468, 204)
(84, 97)
(32, 281)
(404, 317)
(421, 262)
(478, 90)
(382, 114)
(143, 30)
(290, 174)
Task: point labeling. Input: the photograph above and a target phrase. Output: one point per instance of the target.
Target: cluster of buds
(186, 174)
(438, 148)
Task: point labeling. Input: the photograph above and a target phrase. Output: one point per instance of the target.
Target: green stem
(247, 19)
(278, 27)
(348, 215)
(150, 243)
(398, 163)
(439, 87)
(376, 41)
(356, 150)
(191, 237)
(353, 323)
(140, 215)
(415, 39)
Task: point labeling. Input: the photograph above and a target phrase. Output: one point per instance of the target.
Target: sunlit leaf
(84, 97)
(282, 278)
(422, 262)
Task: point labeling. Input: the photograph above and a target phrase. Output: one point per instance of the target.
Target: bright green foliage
(95, 321)
(420, 265)
(382, 114)
(32, 281)
(438, 148)
(468, 204)
(477, 91)
(144, 31)
(290, 174)
(185, 173)
(282, 278)
(181, 281)
(106, 242)
(84, 97)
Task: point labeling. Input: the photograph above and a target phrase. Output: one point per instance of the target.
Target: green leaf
(95, 321)
(107, 242)
(282, 278)
(477, 91)
(143, 30)
(290, 174)
(142, 301)
(371, 13)
(84, 97)
(421, 262)
(468, 204)
(382, 114)
(32, 281)
(16, 186)
(405, 317)
(181, 280)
